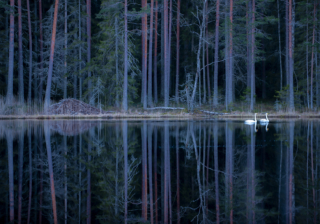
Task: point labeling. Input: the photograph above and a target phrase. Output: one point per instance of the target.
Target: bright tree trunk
(150, 58)
(252, 93)
(178, 52)
(291, 94)
(53, 42)
(155, 60)
(144, 53)
(207, 53)
(21, 85)
(89, 48)
(9, 97)
(41, 52)
(216, 56)
(125, 75)
(30, 53)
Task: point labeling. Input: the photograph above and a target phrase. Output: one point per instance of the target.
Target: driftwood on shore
(213, 113)
(74, 107)
(165, 108)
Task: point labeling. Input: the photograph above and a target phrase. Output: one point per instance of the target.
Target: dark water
(162, 171)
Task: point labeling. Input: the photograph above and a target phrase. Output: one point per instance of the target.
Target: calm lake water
(162, 171)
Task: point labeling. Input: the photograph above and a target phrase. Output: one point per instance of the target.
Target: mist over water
(160, 171)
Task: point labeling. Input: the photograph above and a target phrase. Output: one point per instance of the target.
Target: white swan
(252, 121)
(265, 120)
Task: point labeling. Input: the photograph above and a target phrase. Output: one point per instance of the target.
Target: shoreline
(196, 115)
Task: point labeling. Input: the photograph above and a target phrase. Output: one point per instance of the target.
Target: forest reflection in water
(161, 171)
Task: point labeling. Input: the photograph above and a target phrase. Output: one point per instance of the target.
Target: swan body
(252, 121)
(265, 120)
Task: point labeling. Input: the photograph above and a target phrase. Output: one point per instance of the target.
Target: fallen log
(213, 113)
(165, 108)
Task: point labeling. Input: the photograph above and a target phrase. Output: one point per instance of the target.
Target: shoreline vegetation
(75, 109)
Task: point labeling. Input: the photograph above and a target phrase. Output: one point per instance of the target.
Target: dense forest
(123, 54)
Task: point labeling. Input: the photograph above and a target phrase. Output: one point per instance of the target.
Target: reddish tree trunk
(30, 53)
(150, 58)
(155, 78)
(178, 52)
(165, 46)
(9, 97)
(216, 58)
(53, 42)
(21, 90)
(53, 192)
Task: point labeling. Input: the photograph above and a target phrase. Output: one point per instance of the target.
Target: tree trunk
(30, 54)
(117, 59)
(312, 53)
(89, 48)
(150, 169)
(125, 75)
(21, 85)
(144, 53)
(144, 173)
(53, 193)
(9, 98)
(207, 53)
(53, 42)
(230, 90)
(162, 51)
(150, 58)
(204, 68)
(36, 77)
(80, 53)
(178, 52)
(291, 44)
(216, 56)
(168, 85)
(155, 60)
(65, 79)
(279, 39)
(307, 56)
(41, 52)
(166, 55)
(253, 91)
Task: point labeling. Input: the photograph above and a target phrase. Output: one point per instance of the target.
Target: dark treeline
(158, 171)
(161, 52)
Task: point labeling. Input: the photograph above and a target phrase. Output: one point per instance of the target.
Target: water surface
(160, 171)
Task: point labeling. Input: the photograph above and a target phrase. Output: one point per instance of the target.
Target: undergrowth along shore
(35, 111)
